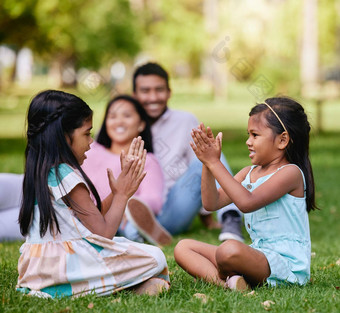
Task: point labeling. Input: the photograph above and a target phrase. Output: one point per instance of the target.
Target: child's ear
(283, 140)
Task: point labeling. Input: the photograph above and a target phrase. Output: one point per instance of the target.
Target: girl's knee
(228, 252)
(182, 247)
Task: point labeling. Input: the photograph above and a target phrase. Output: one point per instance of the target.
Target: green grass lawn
(322, 294)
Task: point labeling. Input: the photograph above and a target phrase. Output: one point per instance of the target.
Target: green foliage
(164, 39)
(18, 24)
(329, 25)
(92, 34)
(86, 33)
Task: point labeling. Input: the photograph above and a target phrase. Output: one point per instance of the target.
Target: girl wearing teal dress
(71, 248)
(275, 194)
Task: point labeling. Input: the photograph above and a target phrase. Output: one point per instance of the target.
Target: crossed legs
(215, 263)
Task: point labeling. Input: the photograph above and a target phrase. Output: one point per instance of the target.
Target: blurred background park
(222, 55)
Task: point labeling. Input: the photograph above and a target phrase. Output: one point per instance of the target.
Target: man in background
(171, 133)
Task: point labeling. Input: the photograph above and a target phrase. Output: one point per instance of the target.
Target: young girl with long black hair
(70, 247)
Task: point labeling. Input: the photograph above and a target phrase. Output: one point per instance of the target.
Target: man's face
(152, 92)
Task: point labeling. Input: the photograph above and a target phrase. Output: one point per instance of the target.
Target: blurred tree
(174, 33)
(18, 26)
(329, 33)
(309, 57)
(73, 34)
(214, 68)
(88, 33)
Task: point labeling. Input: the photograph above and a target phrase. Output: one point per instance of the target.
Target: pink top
(151, 188)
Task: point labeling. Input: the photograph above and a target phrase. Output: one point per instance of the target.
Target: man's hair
(151, 69)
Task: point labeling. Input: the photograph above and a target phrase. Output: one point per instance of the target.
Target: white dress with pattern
(76, 261)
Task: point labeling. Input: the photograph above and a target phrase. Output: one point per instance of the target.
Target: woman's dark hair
(295, 120)
(104, 139)
(52, 115)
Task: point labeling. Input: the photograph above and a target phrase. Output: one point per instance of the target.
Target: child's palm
(136, 149)
(130, 178)
(207, 148)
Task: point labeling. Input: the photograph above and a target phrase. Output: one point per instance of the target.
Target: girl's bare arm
(207, 149)
(287, 180)
(123, 188)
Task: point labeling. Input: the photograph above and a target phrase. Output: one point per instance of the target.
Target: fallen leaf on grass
(90, 306)
(327, 267)
(337, 262)
(267, 304)
(252, 293)
(116, 300)
(67, 309)
(202, 297)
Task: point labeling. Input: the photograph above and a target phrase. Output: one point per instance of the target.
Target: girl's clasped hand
(206, 147)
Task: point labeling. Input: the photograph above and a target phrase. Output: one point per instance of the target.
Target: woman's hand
(136, 150)
(131, 176)
(206, 147)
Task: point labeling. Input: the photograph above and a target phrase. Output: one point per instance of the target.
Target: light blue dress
(280, 230)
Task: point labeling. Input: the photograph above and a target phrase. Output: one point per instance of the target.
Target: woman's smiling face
(123, 123)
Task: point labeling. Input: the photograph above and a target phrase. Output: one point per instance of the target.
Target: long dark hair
(51, 116)
(104, 139)
(295, 120)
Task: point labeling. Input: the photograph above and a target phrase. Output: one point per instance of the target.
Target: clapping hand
(132, 165)
(136, 150)
(206, 147)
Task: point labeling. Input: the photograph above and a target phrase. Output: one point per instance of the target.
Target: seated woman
(10, 201)
(124, 120)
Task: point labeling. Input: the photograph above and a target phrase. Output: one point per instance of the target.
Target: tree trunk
(215, 63)
(54, 74)
(309, 58)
